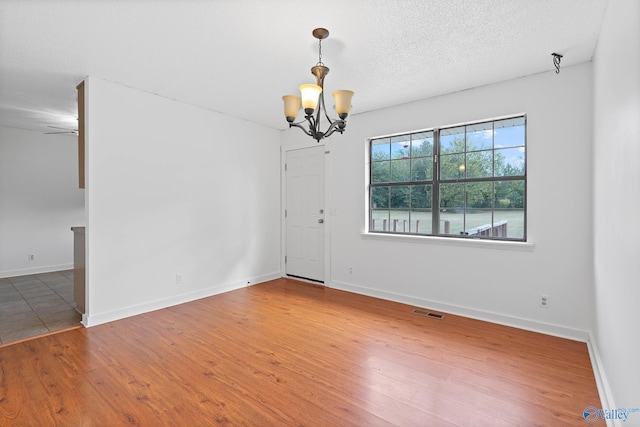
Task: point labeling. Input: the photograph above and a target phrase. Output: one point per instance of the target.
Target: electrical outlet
(31, 257)
(350, 270)
(178, 279)
(543, 301)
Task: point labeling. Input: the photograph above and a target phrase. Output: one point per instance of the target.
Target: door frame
(329, 212)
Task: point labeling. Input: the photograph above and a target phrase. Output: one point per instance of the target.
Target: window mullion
(435, 190)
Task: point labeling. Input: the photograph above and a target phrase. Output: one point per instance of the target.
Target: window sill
(452, 241)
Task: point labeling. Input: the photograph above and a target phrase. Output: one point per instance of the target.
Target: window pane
(452, 140)
(420, 196)
(452, 166)
(478, 222)
(480, 136)
(380, 172)
(451, 208)
(400, 147)
(509, 162)
(509, 213)
(479, 195)
(452, 196)
(380, 149)
(509, 223)
(421, 221)
(509, 133)
(479, 164)
(451, 221)
(422, 169)
(399, 222)
(399, 197)
(422, 144)
(509, 195)
(379, 220)
(379, 197)
(400, 170)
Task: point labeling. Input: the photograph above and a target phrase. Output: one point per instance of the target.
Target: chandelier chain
(320, 53)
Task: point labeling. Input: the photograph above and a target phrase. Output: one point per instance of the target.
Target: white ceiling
(239, 57)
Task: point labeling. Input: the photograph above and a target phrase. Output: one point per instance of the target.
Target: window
(466, 181)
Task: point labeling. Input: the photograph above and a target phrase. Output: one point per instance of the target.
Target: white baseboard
(89, 320)
(265, 278)
(501, 319)
(604, 390)
(35, 270)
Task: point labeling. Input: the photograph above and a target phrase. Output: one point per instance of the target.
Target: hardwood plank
(286, 353)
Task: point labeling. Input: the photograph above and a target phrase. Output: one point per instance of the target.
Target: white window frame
(435, 232)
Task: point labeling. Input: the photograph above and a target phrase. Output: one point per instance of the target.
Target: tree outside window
(474, 174)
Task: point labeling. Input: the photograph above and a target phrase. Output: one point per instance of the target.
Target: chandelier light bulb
(291, 107)
(343, 102)
(310, 94)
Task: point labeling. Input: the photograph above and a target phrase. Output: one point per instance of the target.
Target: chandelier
(312, 100)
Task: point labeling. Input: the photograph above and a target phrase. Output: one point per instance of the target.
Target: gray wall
(616, 183)
(39, 201)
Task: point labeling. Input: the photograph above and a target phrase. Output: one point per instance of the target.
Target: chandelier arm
(324, 108)
(299, 126)
(335, 127)
(313, 125)
(308, 120)
(315, 130)
(316, 125)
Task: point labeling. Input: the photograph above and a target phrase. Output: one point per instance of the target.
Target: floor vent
(428, 314)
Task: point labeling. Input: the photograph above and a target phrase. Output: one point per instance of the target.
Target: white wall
(617, 202)
(174, 190)
(482, 280)
(39, 201)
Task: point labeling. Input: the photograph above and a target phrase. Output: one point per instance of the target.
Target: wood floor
(288, 353)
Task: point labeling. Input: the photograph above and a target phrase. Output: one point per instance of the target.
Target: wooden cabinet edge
(80, 89)
(79, 268)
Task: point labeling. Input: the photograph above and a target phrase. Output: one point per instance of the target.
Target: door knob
(320, 221)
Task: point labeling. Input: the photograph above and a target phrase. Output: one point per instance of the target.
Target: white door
(304, 215)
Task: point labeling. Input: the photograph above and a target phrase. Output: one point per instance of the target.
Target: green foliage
(503, 203)
(403, 161)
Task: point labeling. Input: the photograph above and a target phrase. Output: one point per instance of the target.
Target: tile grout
(41, 285)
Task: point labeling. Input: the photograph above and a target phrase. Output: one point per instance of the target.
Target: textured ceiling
(239, 57)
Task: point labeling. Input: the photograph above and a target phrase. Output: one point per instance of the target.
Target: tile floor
(36, 304)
